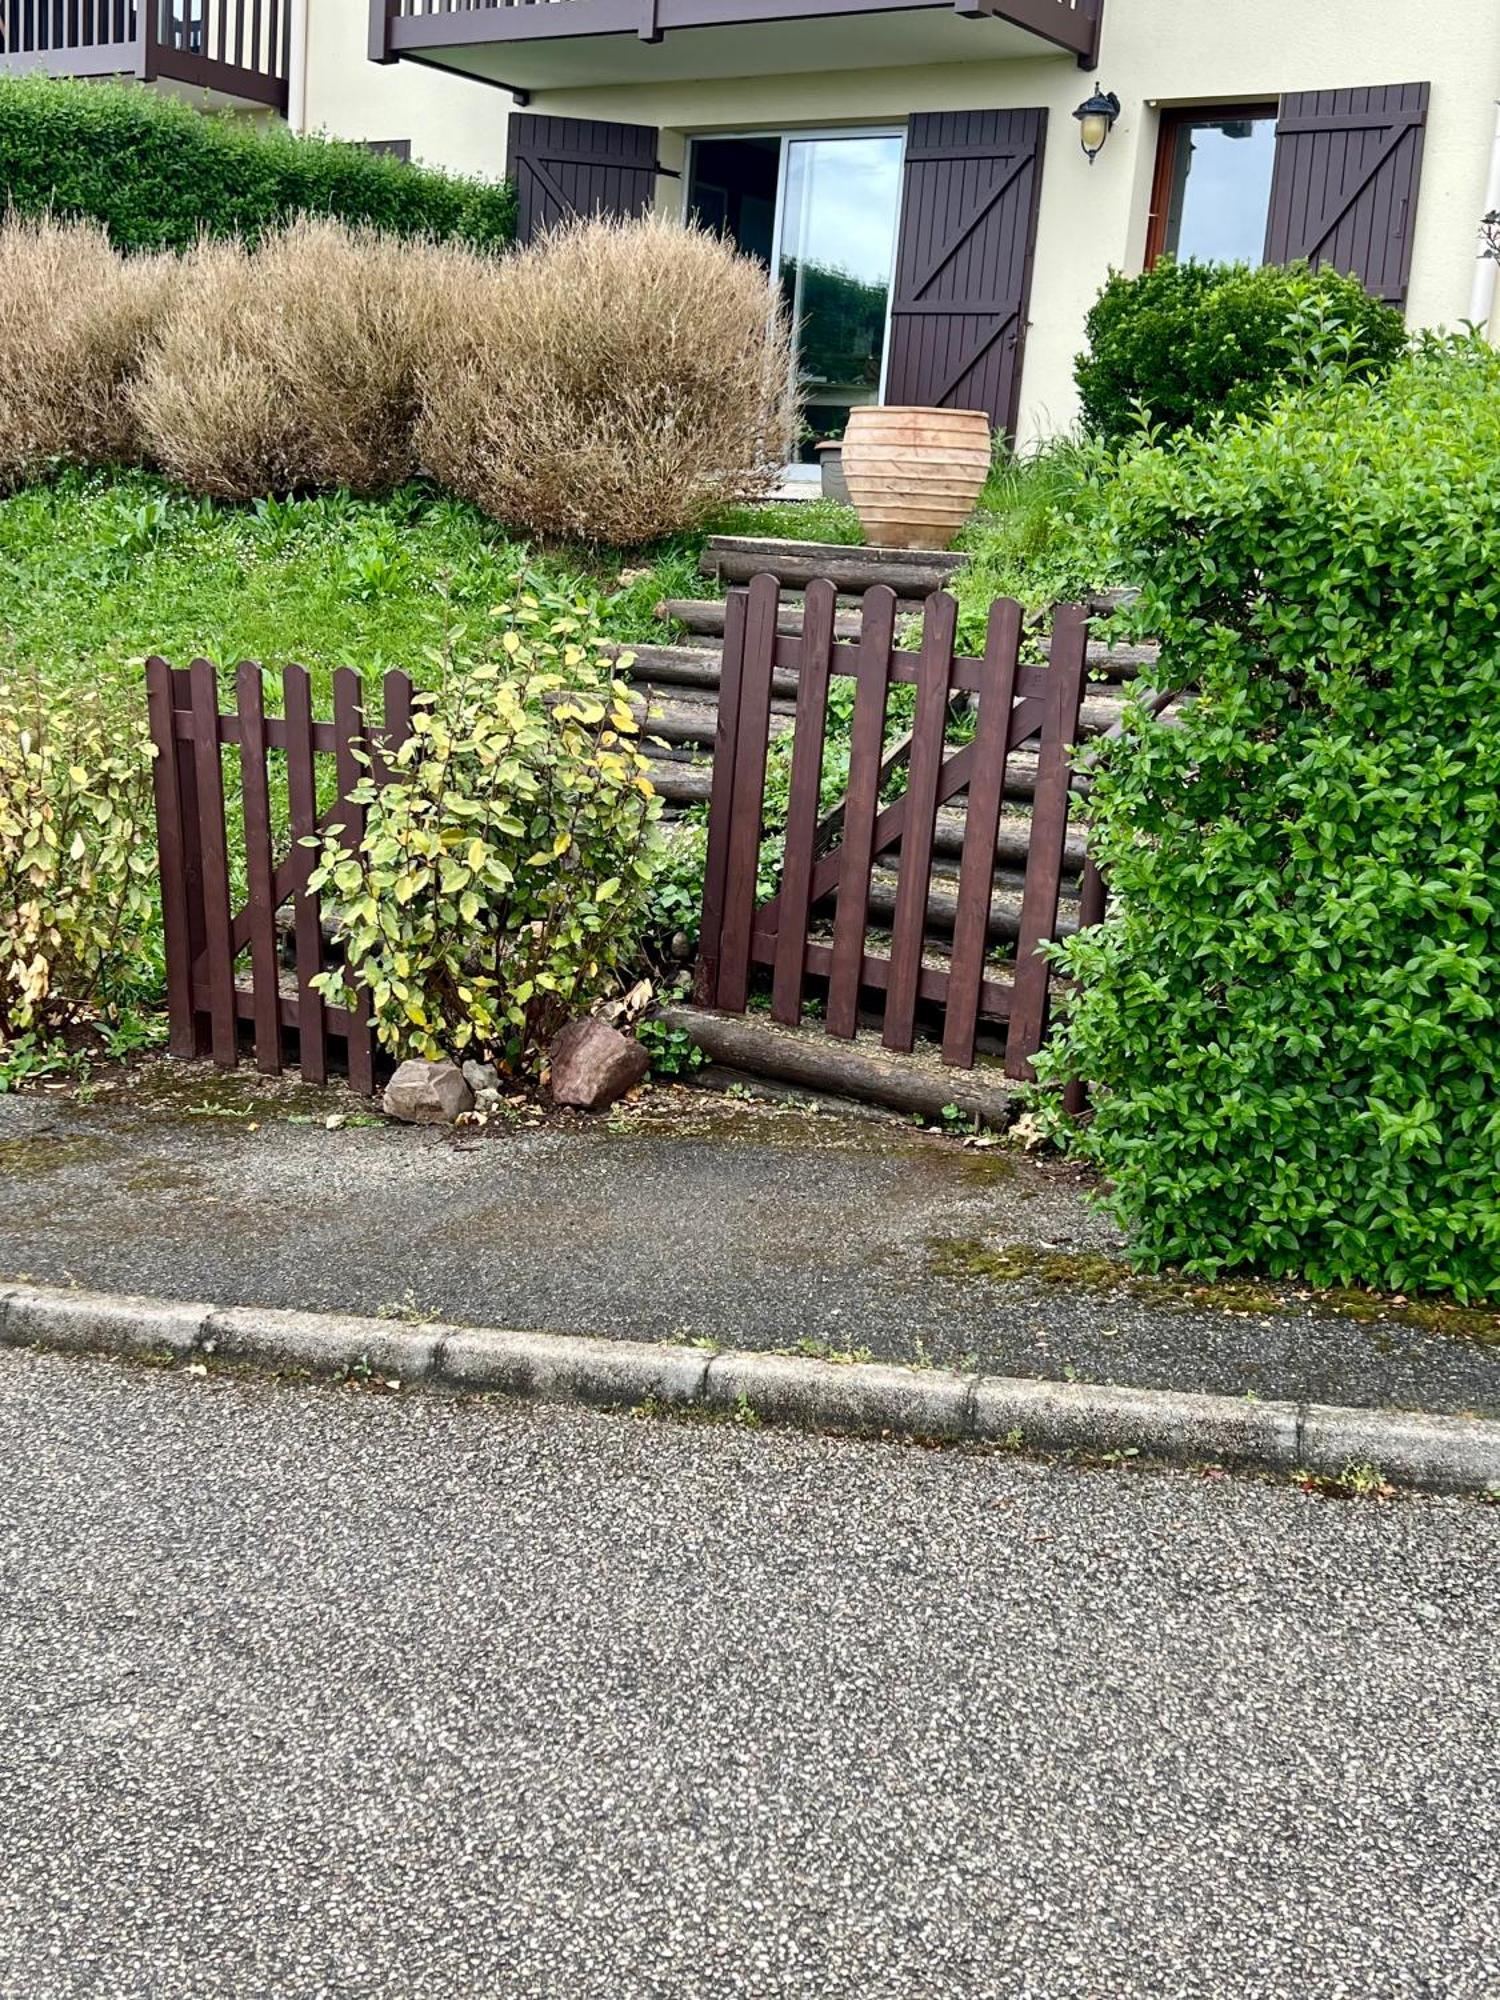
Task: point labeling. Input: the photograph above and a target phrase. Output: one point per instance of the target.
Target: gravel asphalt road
(314, 1693)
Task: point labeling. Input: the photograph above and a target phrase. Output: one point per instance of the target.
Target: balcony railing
(236, 48)
(398, 27)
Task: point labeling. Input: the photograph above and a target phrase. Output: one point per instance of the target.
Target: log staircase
(676, 689)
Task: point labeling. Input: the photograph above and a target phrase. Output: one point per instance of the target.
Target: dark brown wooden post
(909, 925)
(976, 880)
(213, 850)
(172, 856)
(260, 867)
(877, 627)
(348, 743)
(802, 801)
(721, 803)
(748, 783)
(312, 1036)
(1049, 827)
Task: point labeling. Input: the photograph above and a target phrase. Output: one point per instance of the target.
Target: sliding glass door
(833, 240)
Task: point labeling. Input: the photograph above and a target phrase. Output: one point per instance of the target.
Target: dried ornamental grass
(74, 321)
(614, 383)
(293, 366)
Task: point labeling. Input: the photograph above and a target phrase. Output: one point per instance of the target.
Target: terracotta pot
(914, 475)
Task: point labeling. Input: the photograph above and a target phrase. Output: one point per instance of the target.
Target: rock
(427, 1093)
(593, 1065)
(481, 1076)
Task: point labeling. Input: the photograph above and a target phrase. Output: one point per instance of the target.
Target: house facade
(911, 169)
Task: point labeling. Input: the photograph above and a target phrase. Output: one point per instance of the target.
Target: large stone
(593, 1065)
(427, 1093)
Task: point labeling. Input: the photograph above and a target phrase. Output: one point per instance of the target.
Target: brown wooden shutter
(578, 166)
(1344, 188)
(963, 260)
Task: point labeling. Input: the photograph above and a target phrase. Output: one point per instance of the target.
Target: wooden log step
(703, 617)
(861, 1069)
(686, 721)
(912, 573)
(680, 782)
(942, 907)
(690, 667)
(1012, 843)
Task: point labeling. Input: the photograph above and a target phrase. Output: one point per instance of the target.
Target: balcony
(529, 45)
(235, 49)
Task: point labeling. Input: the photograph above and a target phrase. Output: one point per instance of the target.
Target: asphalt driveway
(307, 1692)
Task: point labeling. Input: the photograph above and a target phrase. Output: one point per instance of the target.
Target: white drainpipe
(296, 74)
(1482, 298)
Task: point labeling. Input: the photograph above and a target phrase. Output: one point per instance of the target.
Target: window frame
(1168, 136)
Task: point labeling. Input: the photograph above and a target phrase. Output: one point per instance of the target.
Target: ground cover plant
(157, 173)
(1291, 1014)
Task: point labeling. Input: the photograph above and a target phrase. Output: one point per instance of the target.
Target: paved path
(310, 1693)
(703, 1219)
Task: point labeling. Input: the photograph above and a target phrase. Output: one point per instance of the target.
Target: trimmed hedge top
(1183, 344)
(158, 173)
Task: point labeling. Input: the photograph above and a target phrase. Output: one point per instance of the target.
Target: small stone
(427, 1093)
(481, 1076)
(487, 1100)
(682, 945)
(593, 1065)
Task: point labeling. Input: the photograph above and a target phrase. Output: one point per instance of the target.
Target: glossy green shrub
(159, 173)
(1292, 1016)
(1183, 343)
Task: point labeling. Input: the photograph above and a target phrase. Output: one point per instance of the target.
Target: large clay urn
(913, 474)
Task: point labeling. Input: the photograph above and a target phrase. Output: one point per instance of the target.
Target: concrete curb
(1439, 1453)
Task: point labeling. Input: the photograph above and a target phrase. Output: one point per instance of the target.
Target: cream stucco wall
(451, 121)
(1154, 52)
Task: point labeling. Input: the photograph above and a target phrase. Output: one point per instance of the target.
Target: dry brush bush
(294, 365)
(613, 383)
(75, 318)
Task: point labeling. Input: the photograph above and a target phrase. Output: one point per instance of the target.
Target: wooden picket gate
(209, 991)
(1014, 704)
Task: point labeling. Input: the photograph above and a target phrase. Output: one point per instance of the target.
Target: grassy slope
(96, 573)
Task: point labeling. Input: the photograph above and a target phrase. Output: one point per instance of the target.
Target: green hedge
(1184, 343)
(156, 172)
(1293, 1015)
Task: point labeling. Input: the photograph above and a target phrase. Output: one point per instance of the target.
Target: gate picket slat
(1049, 826)
(976, 877)
(312, 1032)
(172, 860)
(396, 705)
(213, 844)
(721, 801)
(748, 784)
(349, 734)
(802, 801)
(260, 866)
(908, 930)
(187, 788)
(866, 754)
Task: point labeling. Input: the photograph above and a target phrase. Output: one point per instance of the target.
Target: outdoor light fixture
(1095, 117)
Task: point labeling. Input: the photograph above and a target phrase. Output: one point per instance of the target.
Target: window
(1212, 192)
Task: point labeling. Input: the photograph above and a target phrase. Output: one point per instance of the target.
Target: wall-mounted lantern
(1095, 117)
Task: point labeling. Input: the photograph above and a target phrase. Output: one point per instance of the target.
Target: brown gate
(225, 965)
(815, 925)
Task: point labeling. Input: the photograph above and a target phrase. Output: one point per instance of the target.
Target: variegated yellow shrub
(501, 880)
